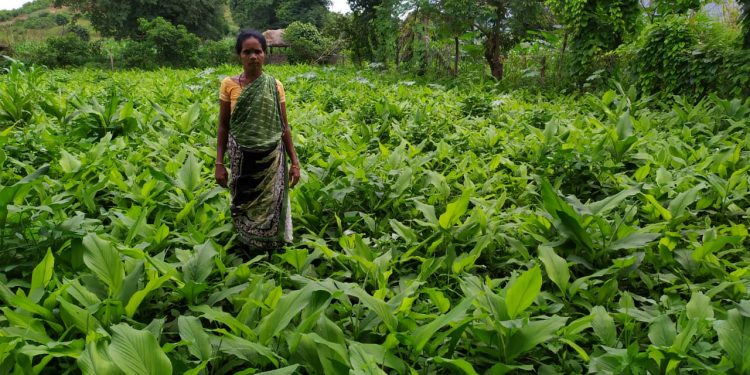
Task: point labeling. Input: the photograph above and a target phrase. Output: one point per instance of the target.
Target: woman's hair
(247, 34)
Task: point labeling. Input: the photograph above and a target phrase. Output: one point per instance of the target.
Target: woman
(253, 129)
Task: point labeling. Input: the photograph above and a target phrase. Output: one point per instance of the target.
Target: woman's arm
(222, 136)
(289, 145)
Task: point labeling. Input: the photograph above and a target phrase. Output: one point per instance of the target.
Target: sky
(12, 4)
(336, 5)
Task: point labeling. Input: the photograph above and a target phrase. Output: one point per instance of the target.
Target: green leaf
(137, 352)
(734, 338)
(665, 214)
(604, 326)
(556, 267)
(296, 258)
(699, 307)
(607, 204)
(244, 349)
(635, 240)
(524, 290)
(104, 261)
(95, 360)
(138, 297)
(662, 331)
(678, 206)
(78, 317)
(403, 231)
(189, 175)
(422, 335)
(200, 264)
(459, 366)
(287, 308)
(288, 370)
(69, 163)
(454, 211)
(193, 332)
(533, 334)
(41, 276)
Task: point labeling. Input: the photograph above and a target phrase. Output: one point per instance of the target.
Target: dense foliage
(119, 18)
(306, 43)
(278, 14)
(439, 229)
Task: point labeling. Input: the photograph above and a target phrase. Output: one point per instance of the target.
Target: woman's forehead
(251, 43)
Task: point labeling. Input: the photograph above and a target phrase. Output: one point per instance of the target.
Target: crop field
(439, 229)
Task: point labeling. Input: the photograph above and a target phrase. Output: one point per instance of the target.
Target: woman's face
(251, 54)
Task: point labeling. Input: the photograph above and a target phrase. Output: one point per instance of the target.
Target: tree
(119, 18)
(375, 26)
(278, 14)
(595, 27)
(502, 23)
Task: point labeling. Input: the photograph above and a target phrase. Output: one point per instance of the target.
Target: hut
(276, 46)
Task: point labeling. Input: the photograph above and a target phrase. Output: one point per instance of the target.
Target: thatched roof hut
(275, 38)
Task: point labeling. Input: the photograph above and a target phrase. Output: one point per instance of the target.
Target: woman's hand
(293, 174)
(221, 175)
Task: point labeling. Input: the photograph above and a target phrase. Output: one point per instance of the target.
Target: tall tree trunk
(493, 56)
(455, 59)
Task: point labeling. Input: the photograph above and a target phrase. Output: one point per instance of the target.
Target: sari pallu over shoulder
(259, 184)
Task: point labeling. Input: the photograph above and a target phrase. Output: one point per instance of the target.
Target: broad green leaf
(556, 267)
(287, 308)
(69, 163)
(78, 317)
(189, 176)
(296, 258)
(662, 331)
(624, 126)
(104, 261)
(532, 334)
(460, 366)
(524, 290)
(678, 206)
(193, 332)
(422, 335)
(607, 204)
(370, 356)
(635, 240)
(665, 214)
(699, 307)
(216, 315)
(137, 352)
(454, 211)
(24, 326)
(403, 231)
(428, 211)
(604, 326)
(200, 264)
(138, 297)
(244, 349)
(710, 247)
(734, 338)
(376, 306)
(95, 360)
(288, 370)
(41, 276)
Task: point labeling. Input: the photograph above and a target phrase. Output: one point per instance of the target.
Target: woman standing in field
(253, 129)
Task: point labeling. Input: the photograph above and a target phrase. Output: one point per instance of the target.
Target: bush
(307, 45)
(212, 53)
(691, 57)
(40, 21)
(174, 45)
(80, 31)
(67, 50)
(61, 19)
(137, 54)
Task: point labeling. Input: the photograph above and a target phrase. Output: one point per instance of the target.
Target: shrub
(80, 31)
(66, 50)
(174, 45)
(40, 21)
(136, 54)
(307, 44)
(61, 19)
(212, 53)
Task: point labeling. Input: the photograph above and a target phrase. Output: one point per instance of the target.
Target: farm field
(439, 229)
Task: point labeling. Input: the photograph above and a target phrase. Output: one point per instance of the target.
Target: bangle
(295, 166)
(219, 163)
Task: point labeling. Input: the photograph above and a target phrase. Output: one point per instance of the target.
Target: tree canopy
(278, 14)
(119, 18)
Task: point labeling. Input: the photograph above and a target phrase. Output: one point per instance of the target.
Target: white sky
(12, 4)
(336, 5)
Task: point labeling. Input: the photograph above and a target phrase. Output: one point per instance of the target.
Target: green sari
(259, 184)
